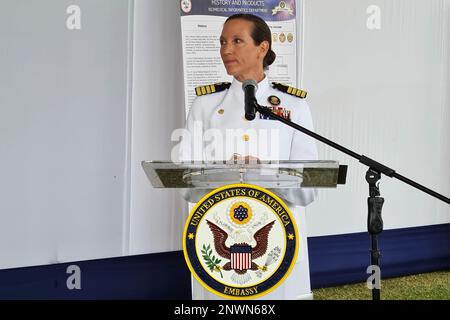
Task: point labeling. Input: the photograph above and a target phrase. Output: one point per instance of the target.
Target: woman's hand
(244, 159)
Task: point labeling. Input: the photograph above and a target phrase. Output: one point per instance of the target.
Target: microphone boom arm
(374, 165)
(374, 202)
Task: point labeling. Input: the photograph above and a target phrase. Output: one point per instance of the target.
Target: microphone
(250, 86)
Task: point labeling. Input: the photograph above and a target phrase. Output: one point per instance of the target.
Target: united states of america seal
(240, 241)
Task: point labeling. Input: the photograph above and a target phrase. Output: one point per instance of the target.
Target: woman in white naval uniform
(218, 114)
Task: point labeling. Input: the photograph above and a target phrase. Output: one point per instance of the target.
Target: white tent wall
(72, 184)
(383, 93)
(157, 215)
(350, 73)
(64, 97)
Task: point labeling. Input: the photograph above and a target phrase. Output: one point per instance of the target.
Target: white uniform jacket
(218, 130)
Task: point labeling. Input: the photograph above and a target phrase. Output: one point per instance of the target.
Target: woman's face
(241, 57)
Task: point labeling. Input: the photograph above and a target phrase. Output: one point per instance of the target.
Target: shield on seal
(241, 257)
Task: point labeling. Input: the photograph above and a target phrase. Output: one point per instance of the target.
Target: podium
(295, 182)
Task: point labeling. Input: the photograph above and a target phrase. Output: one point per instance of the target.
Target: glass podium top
(266, 174)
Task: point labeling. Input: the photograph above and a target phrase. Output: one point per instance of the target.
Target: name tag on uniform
(280, 111)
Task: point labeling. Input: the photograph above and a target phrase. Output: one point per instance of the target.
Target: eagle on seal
(261, 236)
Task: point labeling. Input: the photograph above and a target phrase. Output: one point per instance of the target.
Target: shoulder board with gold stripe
(290, 90)
(212, 88)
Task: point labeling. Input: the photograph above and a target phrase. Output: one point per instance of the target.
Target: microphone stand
(373, 175)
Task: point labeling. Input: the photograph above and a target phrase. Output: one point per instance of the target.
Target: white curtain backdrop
(72, 185)
(383, 93)
(157, 215)
(64, 152)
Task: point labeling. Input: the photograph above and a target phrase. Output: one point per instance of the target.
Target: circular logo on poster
(186, 6)
(240, 241)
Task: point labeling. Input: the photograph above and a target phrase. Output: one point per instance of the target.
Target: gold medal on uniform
(274, 100)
